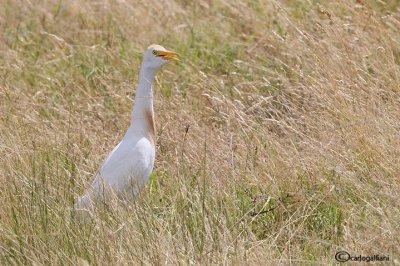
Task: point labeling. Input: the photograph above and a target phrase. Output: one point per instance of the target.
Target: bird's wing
(128, 164)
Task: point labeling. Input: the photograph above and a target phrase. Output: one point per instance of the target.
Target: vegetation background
(278, 133)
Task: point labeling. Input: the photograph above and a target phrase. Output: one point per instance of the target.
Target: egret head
(156, 56)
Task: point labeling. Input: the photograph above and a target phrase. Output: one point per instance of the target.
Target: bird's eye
(154, 52)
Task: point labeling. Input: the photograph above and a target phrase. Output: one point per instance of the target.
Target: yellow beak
(167, 55)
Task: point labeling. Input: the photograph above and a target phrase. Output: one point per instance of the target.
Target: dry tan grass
(277, 135)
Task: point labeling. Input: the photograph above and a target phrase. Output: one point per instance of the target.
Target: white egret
(128, 167)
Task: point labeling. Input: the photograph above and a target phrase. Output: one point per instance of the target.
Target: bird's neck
(142, 113)
(145, 82)
(144, 94)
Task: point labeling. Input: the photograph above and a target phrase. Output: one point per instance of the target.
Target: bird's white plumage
(128, 167)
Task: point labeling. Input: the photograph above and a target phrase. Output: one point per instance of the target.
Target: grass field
(278, 134)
